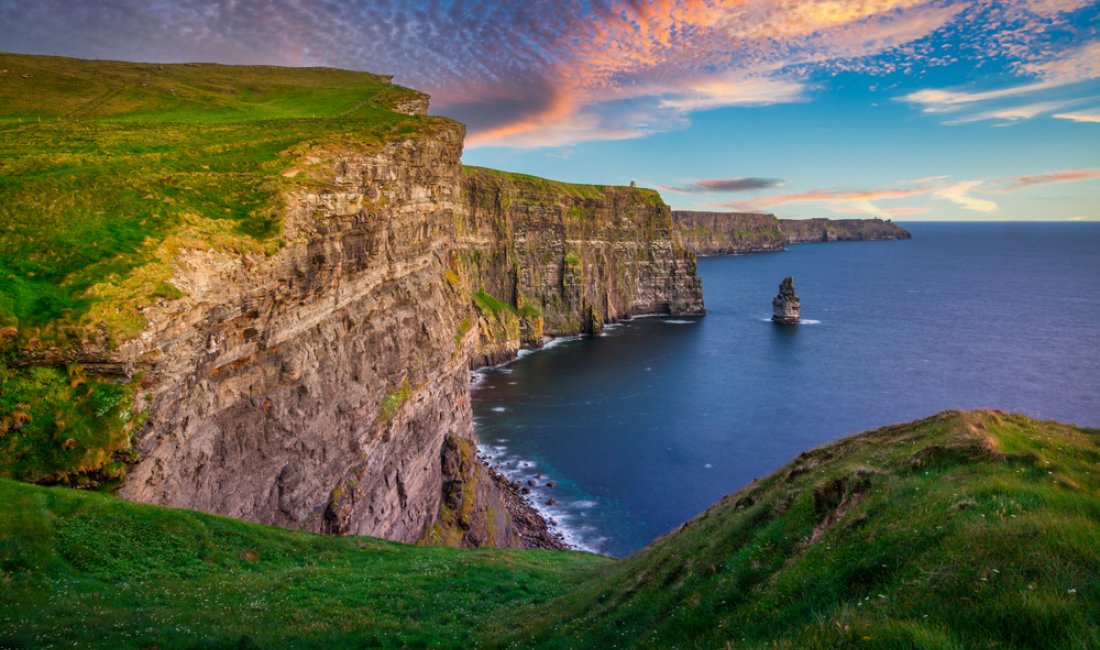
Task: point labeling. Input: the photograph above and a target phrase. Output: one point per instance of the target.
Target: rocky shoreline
(534, 530)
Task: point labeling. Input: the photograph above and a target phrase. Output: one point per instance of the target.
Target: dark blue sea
(645, 427)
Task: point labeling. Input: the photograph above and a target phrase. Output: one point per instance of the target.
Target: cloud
(868, 201)
(555, 72)
(1055, 82)
(959, 193)
(748, 184)
(1091, 117)
(1064, 176)
(860, 202)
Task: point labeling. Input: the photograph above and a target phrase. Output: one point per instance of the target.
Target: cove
(644, 427)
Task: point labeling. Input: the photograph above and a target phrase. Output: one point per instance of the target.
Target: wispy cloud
(960, 194)
(971, 195)
(1090, 117)
(1056, 84)
(859, 202)
(1064, 176)
(717, 185)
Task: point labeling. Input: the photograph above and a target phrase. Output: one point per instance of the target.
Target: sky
(902, 109)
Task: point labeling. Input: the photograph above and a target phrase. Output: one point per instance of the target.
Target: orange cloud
(1064, 176)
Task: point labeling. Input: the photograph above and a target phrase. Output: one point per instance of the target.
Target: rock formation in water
(786, 306)
(719, 233)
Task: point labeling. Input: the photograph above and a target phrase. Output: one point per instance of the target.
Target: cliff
(799, 231)
(559, 259)
(963, 530)
(260, 292)
(723, 233)
(720, 233)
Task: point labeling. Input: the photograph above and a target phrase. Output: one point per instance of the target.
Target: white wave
(804, 321)
(678, 322)
(498, 409)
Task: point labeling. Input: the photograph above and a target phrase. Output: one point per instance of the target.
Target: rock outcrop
(786, 306)
(721, 233)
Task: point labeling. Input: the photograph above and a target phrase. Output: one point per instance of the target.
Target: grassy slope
(107, 171)
(963, 530)
(84, 568)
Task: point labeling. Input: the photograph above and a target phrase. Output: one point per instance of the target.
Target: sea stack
(785, 306)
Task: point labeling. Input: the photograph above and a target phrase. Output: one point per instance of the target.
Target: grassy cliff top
(958, 531)
(535, 186)
(107, 169)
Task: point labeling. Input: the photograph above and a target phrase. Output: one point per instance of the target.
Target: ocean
(645, 427)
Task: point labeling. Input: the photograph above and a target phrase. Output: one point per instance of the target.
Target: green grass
(533, 186)
(959, 531)
(93, 571)
(965, 530)
(108, 169)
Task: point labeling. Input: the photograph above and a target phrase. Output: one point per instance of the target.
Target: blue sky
(905, 109)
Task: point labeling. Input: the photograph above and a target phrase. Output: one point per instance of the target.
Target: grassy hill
(965, 530)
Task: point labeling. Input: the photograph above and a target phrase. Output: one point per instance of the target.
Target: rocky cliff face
(314, 388)
(547, 258)
(723, 233)
(720, 233)
(326, 388)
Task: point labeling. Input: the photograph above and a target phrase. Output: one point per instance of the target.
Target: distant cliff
(550, 258)
(799, 231)
(718, 233)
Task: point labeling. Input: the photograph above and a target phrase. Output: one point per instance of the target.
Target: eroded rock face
(786, 306)
(581, 256)
(313, 389)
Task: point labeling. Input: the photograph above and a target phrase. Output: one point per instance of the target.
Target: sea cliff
(280, 315)
(720, 233)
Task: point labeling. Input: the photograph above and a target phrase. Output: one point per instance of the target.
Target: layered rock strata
(556, 259)
(725, 233)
